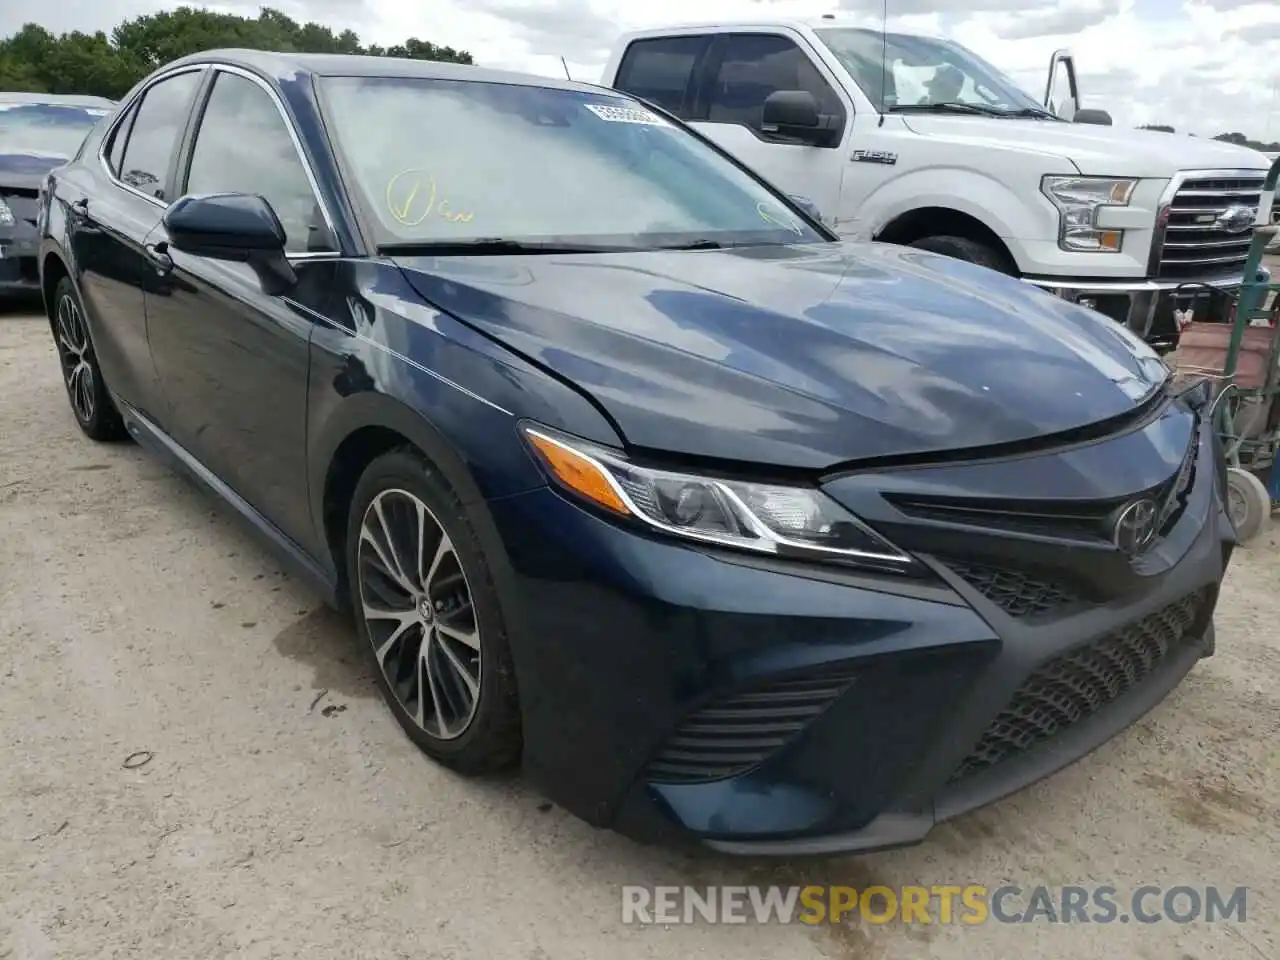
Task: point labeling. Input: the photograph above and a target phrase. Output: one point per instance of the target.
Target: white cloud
(1201, 66)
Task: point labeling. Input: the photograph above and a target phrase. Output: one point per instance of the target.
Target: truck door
(740, 71)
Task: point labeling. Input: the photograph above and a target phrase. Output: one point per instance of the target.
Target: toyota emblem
(1136, 527)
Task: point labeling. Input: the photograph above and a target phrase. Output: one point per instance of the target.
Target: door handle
(158, 254)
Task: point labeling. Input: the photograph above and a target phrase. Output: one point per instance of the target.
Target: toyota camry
(627, 470)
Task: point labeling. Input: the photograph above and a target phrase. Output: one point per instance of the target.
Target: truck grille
(1070, 688)
(1195, 245)
(729, 736)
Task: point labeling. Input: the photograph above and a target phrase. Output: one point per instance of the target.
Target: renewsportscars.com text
(965, 904)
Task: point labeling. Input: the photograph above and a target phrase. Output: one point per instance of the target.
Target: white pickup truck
(915, 140)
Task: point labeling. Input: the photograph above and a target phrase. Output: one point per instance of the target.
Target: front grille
(729, 736)
(1016, 593)
(1193, 245)
(1070, 688)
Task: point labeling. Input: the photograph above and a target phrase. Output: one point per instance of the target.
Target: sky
(1201, 66)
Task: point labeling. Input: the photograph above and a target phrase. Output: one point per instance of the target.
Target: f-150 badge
(874, 156)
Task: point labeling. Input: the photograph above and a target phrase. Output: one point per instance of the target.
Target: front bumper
(763, 708)
(19, 246)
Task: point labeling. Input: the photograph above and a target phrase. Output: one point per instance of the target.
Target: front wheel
(429, 617)
(972, 251)
(91, 402)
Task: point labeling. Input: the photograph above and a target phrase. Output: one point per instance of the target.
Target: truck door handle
(158, 254)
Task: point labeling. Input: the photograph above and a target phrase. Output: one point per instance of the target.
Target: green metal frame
(1259, 451)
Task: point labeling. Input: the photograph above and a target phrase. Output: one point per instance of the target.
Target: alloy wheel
(77, 364)
(419, 612)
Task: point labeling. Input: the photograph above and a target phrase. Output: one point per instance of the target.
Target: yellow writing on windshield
(413, 196)
(768, 217)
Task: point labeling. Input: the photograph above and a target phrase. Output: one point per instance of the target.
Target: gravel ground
(282, 813)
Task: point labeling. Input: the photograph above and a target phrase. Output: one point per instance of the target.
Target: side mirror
(794, 114)
(1090, 115)
(239, 227)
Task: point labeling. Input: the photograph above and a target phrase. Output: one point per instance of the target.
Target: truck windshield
(45, 128)
(499, 168)
(900, 72)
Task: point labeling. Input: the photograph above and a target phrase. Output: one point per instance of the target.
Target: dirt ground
(281, 813)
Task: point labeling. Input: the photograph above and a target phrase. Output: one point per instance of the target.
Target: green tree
(33, 59)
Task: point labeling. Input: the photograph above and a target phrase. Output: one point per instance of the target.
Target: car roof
(58, 99)
(286, 66)
(770, 23)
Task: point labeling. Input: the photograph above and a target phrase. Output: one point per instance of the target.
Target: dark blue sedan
(626, 468)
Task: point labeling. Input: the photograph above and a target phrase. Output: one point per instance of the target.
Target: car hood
(1095, 150)
(25, 170)
(802, 356)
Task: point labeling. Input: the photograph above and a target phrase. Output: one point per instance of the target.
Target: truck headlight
(798, 522)
(6, 215)
(1078, 200)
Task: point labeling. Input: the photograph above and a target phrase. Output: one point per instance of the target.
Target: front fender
(979, 195)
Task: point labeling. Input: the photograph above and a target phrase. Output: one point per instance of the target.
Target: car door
(114, 201)
(232, 359)
(740, 71)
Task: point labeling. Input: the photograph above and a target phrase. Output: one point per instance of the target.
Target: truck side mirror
(1091, 115)
(793, 114)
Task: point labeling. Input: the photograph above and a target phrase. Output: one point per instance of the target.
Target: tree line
(35, 60)
(1239, 139)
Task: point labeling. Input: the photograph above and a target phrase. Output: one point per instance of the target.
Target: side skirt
(157, 441)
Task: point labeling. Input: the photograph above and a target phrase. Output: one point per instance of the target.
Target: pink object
(1202, 347)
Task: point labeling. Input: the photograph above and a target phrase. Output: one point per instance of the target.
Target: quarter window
(243, 146)
(157, 125)
(659, 70)
(118, 139)
(756, 65)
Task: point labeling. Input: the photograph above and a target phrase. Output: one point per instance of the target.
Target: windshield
(45, 128)
(919, 71)
(443, 162)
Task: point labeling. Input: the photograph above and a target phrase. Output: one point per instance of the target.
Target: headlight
(1078, 200)
(6, 215)
(785, 521)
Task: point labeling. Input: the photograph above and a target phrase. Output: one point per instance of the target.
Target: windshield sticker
(778, 219)
(626, 115)
(412, 197)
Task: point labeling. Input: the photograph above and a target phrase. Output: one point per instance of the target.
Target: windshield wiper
(492, 246)
(1037, 112)
(696, 245)
(948, 106)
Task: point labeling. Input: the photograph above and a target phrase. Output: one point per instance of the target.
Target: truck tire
(973, 251)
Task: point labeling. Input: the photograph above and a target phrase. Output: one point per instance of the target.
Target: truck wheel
(973, 251)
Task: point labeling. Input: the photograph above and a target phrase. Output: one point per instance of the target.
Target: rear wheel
(973, 251)
(86, 389)
(428, 614)
(1248, 503)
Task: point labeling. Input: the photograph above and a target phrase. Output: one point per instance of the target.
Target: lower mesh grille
(729, 736)
(1017, 594)
(1064, 691)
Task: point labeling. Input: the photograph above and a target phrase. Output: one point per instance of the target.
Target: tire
(87, 391)
(1248, 503)
(470, 718)
(962, 248)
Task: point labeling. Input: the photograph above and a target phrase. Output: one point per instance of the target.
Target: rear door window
(157, 127)
(661, 70)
